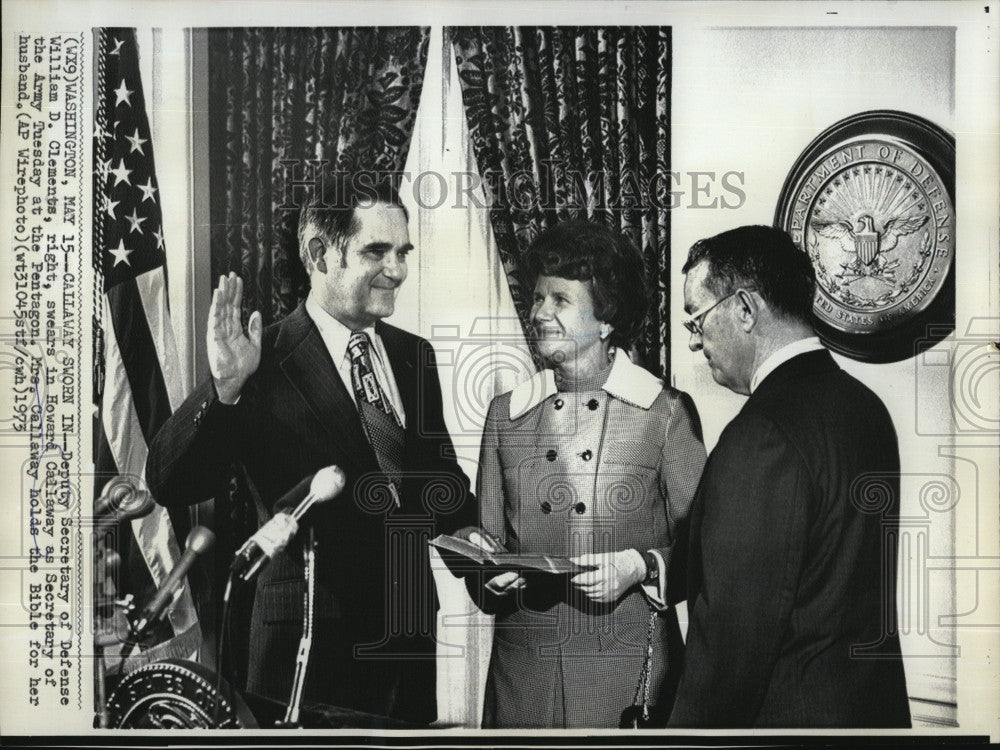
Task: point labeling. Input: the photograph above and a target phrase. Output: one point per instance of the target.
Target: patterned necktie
(382, 424)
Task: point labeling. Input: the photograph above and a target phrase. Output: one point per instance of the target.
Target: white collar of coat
(626, 381)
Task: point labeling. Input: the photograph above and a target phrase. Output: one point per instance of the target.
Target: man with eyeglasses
(791, 567)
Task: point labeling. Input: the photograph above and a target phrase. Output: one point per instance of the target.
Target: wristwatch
(652, 567)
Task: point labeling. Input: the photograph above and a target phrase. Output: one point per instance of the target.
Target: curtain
(574, 122)
(295, 104)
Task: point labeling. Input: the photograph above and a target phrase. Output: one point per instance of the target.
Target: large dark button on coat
(592, 404)
(580, 508)
(559, 403)
(551, 455)
(586, 455)
(546, 506)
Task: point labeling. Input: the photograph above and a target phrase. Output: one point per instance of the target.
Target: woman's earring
(605, 331)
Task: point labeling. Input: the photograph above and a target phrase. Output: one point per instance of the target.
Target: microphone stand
(101, 716)
(291, 719)
(105, 632)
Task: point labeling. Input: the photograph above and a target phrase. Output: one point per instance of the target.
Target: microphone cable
(224, 634)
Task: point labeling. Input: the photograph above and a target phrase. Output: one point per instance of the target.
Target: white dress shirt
(785, 353)
(336, 337)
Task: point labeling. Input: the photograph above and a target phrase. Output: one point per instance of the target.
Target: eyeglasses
(695, 321)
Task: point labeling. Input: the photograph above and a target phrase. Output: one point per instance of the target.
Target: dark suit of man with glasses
(791, 572)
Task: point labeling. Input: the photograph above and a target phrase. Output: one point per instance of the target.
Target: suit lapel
(306, 363)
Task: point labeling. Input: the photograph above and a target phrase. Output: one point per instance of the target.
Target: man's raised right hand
(233, 356)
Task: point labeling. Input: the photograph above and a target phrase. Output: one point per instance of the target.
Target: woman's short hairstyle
(585, 251)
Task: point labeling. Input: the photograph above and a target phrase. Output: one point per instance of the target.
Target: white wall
(751, 100)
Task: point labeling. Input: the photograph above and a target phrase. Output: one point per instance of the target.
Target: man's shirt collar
(785, 353)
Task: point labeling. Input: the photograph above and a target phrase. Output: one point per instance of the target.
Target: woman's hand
(504, 583)
(616, 573)
(499, 585)
(481, 538)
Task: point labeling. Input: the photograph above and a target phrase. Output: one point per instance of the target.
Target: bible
(463, 557)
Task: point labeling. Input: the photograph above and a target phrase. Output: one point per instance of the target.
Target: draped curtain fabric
(281, 101)
(574, 122)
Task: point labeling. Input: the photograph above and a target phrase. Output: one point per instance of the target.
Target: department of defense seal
(871, 201)
(176, 694)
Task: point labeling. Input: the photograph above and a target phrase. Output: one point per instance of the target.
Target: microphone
(122, 500)
(199, 541)
(275, 535)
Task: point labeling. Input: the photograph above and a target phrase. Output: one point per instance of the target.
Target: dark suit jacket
(792, 567)
(375, 600)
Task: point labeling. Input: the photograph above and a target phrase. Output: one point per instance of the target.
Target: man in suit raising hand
(791, 576)
(333, 384)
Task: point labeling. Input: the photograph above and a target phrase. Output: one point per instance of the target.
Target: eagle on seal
(866, 243)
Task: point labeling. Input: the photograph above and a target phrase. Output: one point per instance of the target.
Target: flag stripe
(121, 423)
(152, 288)
(152, 292)
(135, 344)
(154, 532)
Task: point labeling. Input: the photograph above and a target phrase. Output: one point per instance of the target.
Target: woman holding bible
(596, 460)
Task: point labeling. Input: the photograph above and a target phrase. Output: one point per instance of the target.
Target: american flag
(138, 381)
